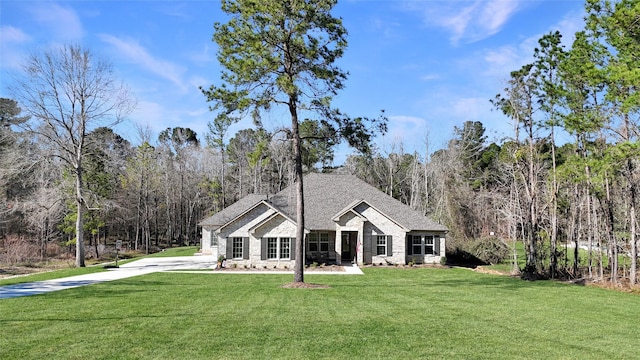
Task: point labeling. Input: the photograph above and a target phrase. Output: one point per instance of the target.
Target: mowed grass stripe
(388, 313)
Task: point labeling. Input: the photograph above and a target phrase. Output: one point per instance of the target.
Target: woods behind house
(565, 182)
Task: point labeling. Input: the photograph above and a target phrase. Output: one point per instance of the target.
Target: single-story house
(346, 221)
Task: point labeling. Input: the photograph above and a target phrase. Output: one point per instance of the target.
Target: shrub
(490, 250)
(19, 249)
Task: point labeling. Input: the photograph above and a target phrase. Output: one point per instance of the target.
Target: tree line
(555, 197)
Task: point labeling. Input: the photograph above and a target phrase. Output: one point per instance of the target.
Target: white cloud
(204, 56)
(137, 54)
(495, 14)
(11, 39)
(470, 108)
(388, 29)
(429, 77)
(468, 21)
(148, 112)
(569, 25)
(63, 22)
(404, 127)
(499, 62)
(197, 81)
(10, 34)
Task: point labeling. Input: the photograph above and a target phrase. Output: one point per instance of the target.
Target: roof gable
(326, 197)
(352, 208)
(229, 213)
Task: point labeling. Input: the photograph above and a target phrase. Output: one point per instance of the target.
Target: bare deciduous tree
(68, 91)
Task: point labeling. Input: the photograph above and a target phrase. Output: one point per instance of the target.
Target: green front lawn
(387, 313)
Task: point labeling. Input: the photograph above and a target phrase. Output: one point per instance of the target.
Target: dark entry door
(348, 245)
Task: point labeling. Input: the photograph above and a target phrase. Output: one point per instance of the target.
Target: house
(346, 220)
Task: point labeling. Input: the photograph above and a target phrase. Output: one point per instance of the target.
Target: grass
(388, 313)
(128, 257)
(177, 251)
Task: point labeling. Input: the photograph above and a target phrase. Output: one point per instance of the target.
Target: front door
(349, 240)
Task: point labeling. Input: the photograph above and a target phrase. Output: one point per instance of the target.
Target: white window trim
(279, 242)
(423, 244)
(378, 245)
(233, 243)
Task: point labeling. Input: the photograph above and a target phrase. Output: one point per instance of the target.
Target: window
(277, 248)
(428, 245)
(313, 242)
(272, 248)
(236, 251)
(214, 239)
(318, 242)
(424, 245)
(285, 244)
(381, 245)
(324, 242)
(417, 245)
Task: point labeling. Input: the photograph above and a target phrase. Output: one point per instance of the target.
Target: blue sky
(431, 65)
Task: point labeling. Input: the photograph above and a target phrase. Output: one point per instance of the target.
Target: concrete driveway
(142, 267)
(134, 268)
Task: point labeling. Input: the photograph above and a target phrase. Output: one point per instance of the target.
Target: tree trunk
(80, 218)
(613, 244)
(554, 210)
(633, 267)
(298, 271)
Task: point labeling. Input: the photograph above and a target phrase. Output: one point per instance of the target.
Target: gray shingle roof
(325, 196)
(232, 211)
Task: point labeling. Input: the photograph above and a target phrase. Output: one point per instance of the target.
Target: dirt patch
(8, 271)
(304, 285)
(622, 286)
(483, 270)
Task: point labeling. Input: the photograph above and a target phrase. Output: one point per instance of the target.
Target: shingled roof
(325, 196)
(232, 211)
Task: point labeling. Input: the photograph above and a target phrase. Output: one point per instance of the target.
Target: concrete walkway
(143, 267)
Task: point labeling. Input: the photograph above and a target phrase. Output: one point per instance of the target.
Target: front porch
(324, 248)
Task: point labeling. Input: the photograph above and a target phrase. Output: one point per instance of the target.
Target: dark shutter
(389, 246)
(229, 248)
(245, 248)
(436, 245)
(292, 248)
(263, 249)
(409, 245)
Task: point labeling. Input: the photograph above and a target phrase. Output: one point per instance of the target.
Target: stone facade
(363, 224)
(346, 220)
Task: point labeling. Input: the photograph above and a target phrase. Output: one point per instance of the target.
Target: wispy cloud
(63, 22)
(10, 34)
(498, 62)
(468, 21)
(404, 127)
(206, 55)
(388, 29)
(469, 108)
(11, 39)
(137, 54)
(429, 77)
